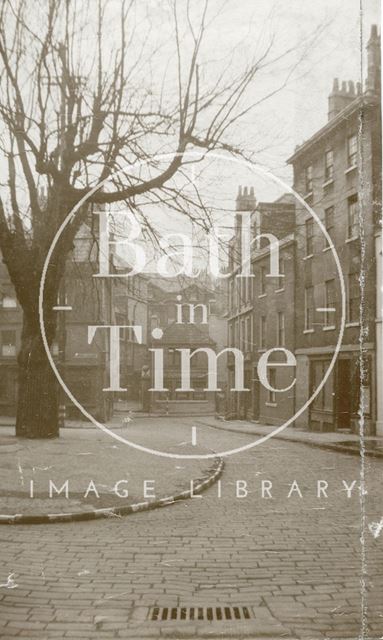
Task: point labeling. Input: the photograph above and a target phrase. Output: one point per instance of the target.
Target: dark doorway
(343, 395)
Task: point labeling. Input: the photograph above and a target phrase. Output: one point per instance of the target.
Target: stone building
(189, 313)
(83, 365)
(10, 340)
(338, 173)
(258, 317)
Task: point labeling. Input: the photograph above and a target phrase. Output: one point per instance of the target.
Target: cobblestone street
(295, 562)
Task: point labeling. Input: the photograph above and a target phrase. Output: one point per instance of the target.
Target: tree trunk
(37, 402)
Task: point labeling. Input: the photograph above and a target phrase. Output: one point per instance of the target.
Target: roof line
(363, 100)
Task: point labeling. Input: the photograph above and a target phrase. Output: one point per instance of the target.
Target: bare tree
(84, 91)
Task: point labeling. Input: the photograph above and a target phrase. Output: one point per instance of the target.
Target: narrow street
(294, 562)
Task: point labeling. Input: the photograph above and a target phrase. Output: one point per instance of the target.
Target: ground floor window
(324, 400)
(272, 382)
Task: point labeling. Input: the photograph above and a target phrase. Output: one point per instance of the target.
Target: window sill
(311, 255)
(330, 328)
(271, 404)
(262, 350)
(327, 183)
(308, 331)
(308, 195)
(352, 324)
(350, 169)
(262, 295)
(352, 239)
(326, 249)
(279, 290)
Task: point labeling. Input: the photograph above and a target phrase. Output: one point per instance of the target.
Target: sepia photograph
(191, 338)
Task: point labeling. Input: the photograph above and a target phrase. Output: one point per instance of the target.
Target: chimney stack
(245, 199)
(373, 62)
(340, 97)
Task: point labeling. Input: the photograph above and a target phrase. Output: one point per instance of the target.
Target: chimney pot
(245, 191)
(335, 86)
(374, 32)
(351, 87)
(358, 88)
(344, 86)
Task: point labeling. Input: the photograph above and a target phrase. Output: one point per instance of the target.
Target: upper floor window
(263, 280)
(248, 336)
(353, 217)
(231, 335)
(329, 223)
(249, 282)
(9, 302)
(281, 279)
(242, 337)
(55, 350)
(309, 179)
(262, 332)
(352, 150)
(309, 308)
(231, 296)
(353, 302)
(8, 343)
(309, 236)
(330, 303)
(281, 337)
(329, 165)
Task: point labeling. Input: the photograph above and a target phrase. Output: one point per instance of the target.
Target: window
(329, 303)
(352, 150)
(236, 332)
(324, 400)
(281, 337)
(309, 237)
(353, 217)
(281, 279)
(272, 383)
(309, 179)
(231, 335)
(8, 343)
(262, 332)
(242, 291)
(329, 165)
(9, 302)
(3, 387)
(329, 223)
(309, 308)
(263, 281)
(248, 336)
(243, 345)
(55, 349)
(249, 289)
(353, 302)
(231, 297)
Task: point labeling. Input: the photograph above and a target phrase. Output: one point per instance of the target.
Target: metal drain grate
(199, 613)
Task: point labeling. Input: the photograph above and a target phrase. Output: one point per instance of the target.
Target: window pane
(309, 179)
(329, 165)
(316, 378)
(8, 343)
(329, 223)
(309, 236)
(309, 307)
(352, 148)
(353, 219)
(353, 297)
(330, 302)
